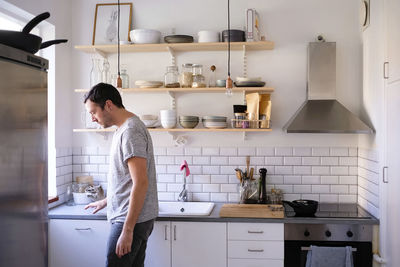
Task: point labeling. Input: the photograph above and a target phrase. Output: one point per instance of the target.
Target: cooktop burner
(330, 210)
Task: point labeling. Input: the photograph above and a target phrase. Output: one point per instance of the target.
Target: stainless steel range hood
(321, 112)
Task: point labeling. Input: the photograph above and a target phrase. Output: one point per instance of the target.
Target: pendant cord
(118, 38)
(229, 43)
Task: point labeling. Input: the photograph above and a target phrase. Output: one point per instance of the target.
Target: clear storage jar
(171, 77)
(187, 75)
(124, 78)
(199, 80)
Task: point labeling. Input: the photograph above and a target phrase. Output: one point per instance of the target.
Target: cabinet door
(158, 252)
(78, 243)
(198, 244)
(392, 100)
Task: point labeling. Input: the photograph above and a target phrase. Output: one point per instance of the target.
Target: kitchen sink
(185, 208)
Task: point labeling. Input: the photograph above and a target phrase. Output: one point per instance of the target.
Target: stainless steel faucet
(183, 194)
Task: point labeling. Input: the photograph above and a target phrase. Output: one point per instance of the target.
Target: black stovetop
(330, 210)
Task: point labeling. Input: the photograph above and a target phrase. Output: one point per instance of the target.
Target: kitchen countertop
(78, 212)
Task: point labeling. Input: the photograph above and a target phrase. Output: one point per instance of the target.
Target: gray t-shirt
(132, 139)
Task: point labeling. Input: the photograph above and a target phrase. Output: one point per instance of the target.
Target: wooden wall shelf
(190, 90)
(178, 130)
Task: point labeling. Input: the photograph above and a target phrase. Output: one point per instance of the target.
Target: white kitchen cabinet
(198, 244)
(391, 212)
(255, 244)
(78, 243)
(158, 252)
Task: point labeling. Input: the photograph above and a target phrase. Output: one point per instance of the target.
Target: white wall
(290, 24)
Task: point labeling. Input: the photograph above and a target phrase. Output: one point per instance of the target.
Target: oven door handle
(309, 248)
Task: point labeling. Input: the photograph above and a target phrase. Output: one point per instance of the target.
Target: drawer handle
(83, 229)
(255, 250)
(255, 232)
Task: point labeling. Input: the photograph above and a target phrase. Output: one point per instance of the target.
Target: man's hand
(98, 205)
(124, 243)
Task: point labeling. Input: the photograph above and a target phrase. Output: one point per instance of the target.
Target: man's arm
(138, 171)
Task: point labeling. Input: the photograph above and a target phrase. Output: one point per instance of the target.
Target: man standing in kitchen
(132, 203)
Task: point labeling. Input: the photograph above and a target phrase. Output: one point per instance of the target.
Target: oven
(299, 237)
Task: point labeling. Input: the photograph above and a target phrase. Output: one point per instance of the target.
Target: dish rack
(252, 124)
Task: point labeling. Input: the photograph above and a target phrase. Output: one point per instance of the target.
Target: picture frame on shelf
(106, 23)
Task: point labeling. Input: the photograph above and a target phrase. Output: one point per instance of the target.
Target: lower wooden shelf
(179, 130)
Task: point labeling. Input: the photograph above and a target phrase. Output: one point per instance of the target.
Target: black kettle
(303, 207)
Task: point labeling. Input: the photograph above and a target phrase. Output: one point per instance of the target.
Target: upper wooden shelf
(178, 47)
(190, 90)
(179, 130)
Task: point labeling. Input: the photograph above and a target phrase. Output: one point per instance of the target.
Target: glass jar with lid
(125, 78)
(171, 77)
(199, 81)
(187, 75)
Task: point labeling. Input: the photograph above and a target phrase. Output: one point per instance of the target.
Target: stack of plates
(149, 84)
(214, 122)
(178, 39)
(249, 82)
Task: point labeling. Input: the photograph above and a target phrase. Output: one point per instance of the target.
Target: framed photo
(106, 23)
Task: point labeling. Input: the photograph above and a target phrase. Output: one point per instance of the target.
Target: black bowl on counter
(303, 207)
(236, 35)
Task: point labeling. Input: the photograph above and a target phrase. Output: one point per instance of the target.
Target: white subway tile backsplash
(104, 168)
(274, 160)
(340, 189)
(347, 198)
(193, 151)
(195, 169)
(348, 179)
(164, 196)
(175, 151)
(174, 187)
(329, 161)
(265, 151)
(339, 170)
(211, 169)
(219, 161)
(292, 160)
(339, 151)
(227, 170)
(76, 168)
(194, 188)
(237, 160)
(204, 197)
(320, 151)
(161, 168)
(88, 150)
(302, 151)
(311, 196)
(368, 154)
(103, 150)
(174, 169)
(59, 161)
(219, 179)
(166, 178)
(302, 189)
(290, 179)
(329, 179)
(228, 151)
(369, 175)
(274, 179)
(233, 179)
(219, 197)
(283, 151)
(229, 188)
(97, 159)
(348, 161)
(291, 197)
(256, 161)
(310, 179)
(284, 170)
(320, 170)
(80, 159)
(320, 189)
(353, 189)
(76, 151)
(233, 197)
(179, 160)
(201, 179)
(165, 160)
(303, 170)
(286, 189)
(246, 151)
(90, 168)
(328, 198)
(210, 151)
(161, 187)
(310, 161)
(353, 152)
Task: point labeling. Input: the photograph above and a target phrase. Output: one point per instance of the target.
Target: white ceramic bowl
(208, 36)
(168, 125)
(144, 36)
(150, 123)
(81, 198)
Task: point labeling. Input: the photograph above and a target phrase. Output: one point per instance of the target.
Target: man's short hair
(102, 92)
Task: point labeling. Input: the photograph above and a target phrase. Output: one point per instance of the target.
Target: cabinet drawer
(256, 249)
(254, 263)
(255, 231)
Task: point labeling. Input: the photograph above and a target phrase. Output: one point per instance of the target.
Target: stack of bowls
(214, 122)
(188, 121)
(168, 118)
(149, 121)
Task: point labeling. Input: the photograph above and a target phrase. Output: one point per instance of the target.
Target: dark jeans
(135, 258)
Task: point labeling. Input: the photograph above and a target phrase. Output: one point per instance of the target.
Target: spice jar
(187, 75)
(199, 80)
(171, 77)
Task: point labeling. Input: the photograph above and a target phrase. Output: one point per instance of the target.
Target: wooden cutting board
(252, 211)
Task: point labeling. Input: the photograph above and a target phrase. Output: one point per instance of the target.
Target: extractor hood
(321, 112)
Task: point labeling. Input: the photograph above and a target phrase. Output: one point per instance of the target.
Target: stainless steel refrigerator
(23, 159)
